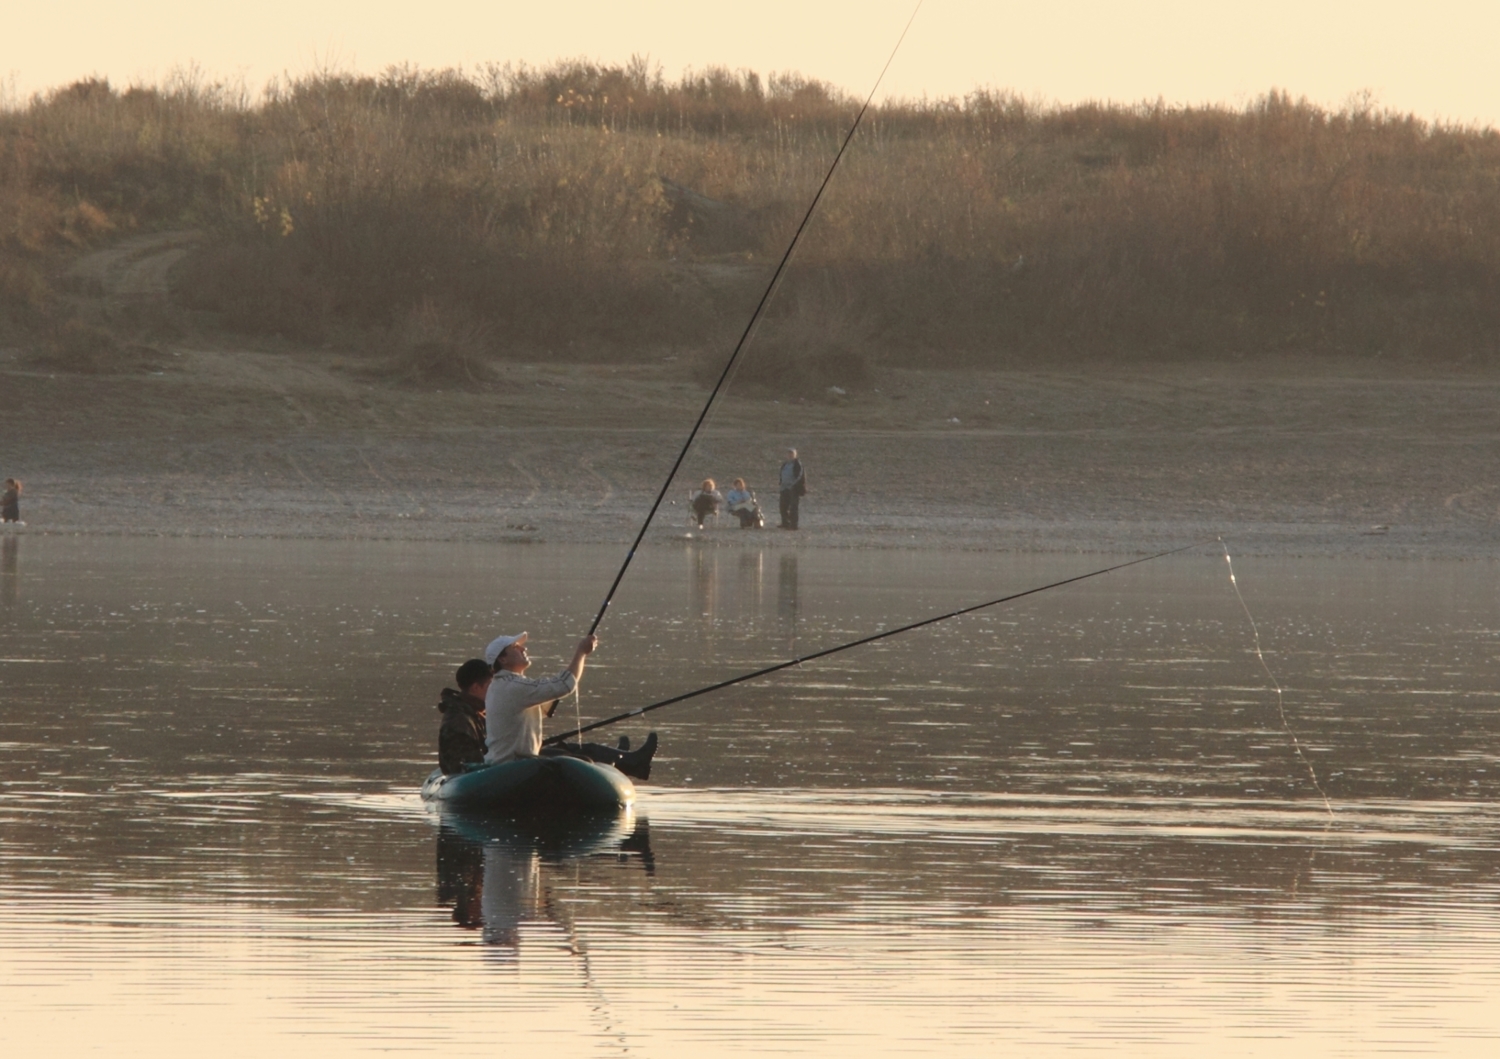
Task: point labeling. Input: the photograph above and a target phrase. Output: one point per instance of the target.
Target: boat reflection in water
(493, 870)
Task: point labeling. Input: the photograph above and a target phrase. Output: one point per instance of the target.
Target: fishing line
(1280, 702)
(739, 346)
(553, 740)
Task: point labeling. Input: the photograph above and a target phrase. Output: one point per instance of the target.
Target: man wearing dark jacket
(461, 737)
(793, 483)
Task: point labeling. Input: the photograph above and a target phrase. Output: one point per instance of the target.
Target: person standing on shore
(10, 501)
(793, 489)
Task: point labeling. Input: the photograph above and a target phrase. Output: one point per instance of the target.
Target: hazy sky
(1434, 58)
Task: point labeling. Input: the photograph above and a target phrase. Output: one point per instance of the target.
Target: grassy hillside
(599, 212)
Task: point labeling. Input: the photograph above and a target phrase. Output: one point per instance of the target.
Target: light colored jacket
(513, 713)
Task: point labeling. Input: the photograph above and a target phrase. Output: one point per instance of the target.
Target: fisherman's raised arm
(575, 668)
(581, 653)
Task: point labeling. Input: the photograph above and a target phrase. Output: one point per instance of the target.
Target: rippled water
(1076, 824)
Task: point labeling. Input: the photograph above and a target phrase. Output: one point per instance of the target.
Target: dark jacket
(461, 737)
(792, 478)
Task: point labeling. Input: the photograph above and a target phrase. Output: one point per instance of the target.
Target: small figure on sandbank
(743, 505)
(706, 501)
(10, 501)
(793, 488)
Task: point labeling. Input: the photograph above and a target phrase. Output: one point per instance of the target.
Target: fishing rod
(765, 299)
(554, 740)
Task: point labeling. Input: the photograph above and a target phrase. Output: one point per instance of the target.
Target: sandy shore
(1345, 459)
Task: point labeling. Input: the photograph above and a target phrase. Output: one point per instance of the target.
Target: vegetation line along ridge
(593, 212)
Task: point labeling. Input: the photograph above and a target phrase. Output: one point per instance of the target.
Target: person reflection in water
(461, 738)
(706, 585)
(492, 887)
(495, 886)
(787, 603)
(460, 878)
(513, 892)
(10, 548)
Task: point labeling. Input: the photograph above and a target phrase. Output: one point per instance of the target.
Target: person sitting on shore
(10, 501)
(706, 501)
(743, 505)
(461, 737)
(515, 703)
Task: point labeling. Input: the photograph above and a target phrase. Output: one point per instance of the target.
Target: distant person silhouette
(743, 505)
(10, 501)
(793, 489)
(706, 501)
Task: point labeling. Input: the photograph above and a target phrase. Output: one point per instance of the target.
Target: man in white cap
(515, 704)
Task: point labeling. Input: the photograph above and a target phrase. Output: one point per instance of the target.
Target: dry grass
(532, 203)
(438, 347)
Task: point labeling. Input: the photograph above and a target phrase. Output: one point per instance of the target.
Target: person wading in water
(515, 703)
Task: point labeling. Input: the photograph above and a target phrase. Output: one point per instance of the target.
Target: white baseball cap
(499, 644)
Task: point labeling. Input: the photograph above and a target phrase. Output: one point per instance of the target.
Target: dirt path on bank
(138, 267)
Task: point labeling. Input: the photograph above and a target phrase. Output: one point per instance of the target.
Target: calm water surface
(1076, 824)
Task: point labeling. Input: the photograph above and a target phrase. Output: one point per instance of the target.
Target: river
(1077, 823)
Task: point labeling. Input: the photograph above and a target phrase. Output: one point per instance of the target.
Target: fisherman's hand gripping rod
(554, 740)
(765, 299)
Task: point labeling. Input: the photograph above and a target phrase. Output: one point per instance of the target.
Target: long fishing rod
(749, 327)
(552, 741)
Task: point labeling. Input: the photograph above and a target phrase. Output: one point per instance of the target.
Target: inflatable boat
(555, 838)
(532, 785)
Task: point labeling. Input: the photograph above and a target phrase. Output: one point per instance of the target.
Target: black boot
(637, 763)
(623, 744)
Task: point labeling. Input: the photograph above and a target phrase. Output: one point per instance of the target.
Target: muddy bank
(1348, 459)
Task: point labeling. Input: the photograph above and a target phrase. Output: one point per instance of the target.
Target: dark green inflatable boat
(532, 785)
